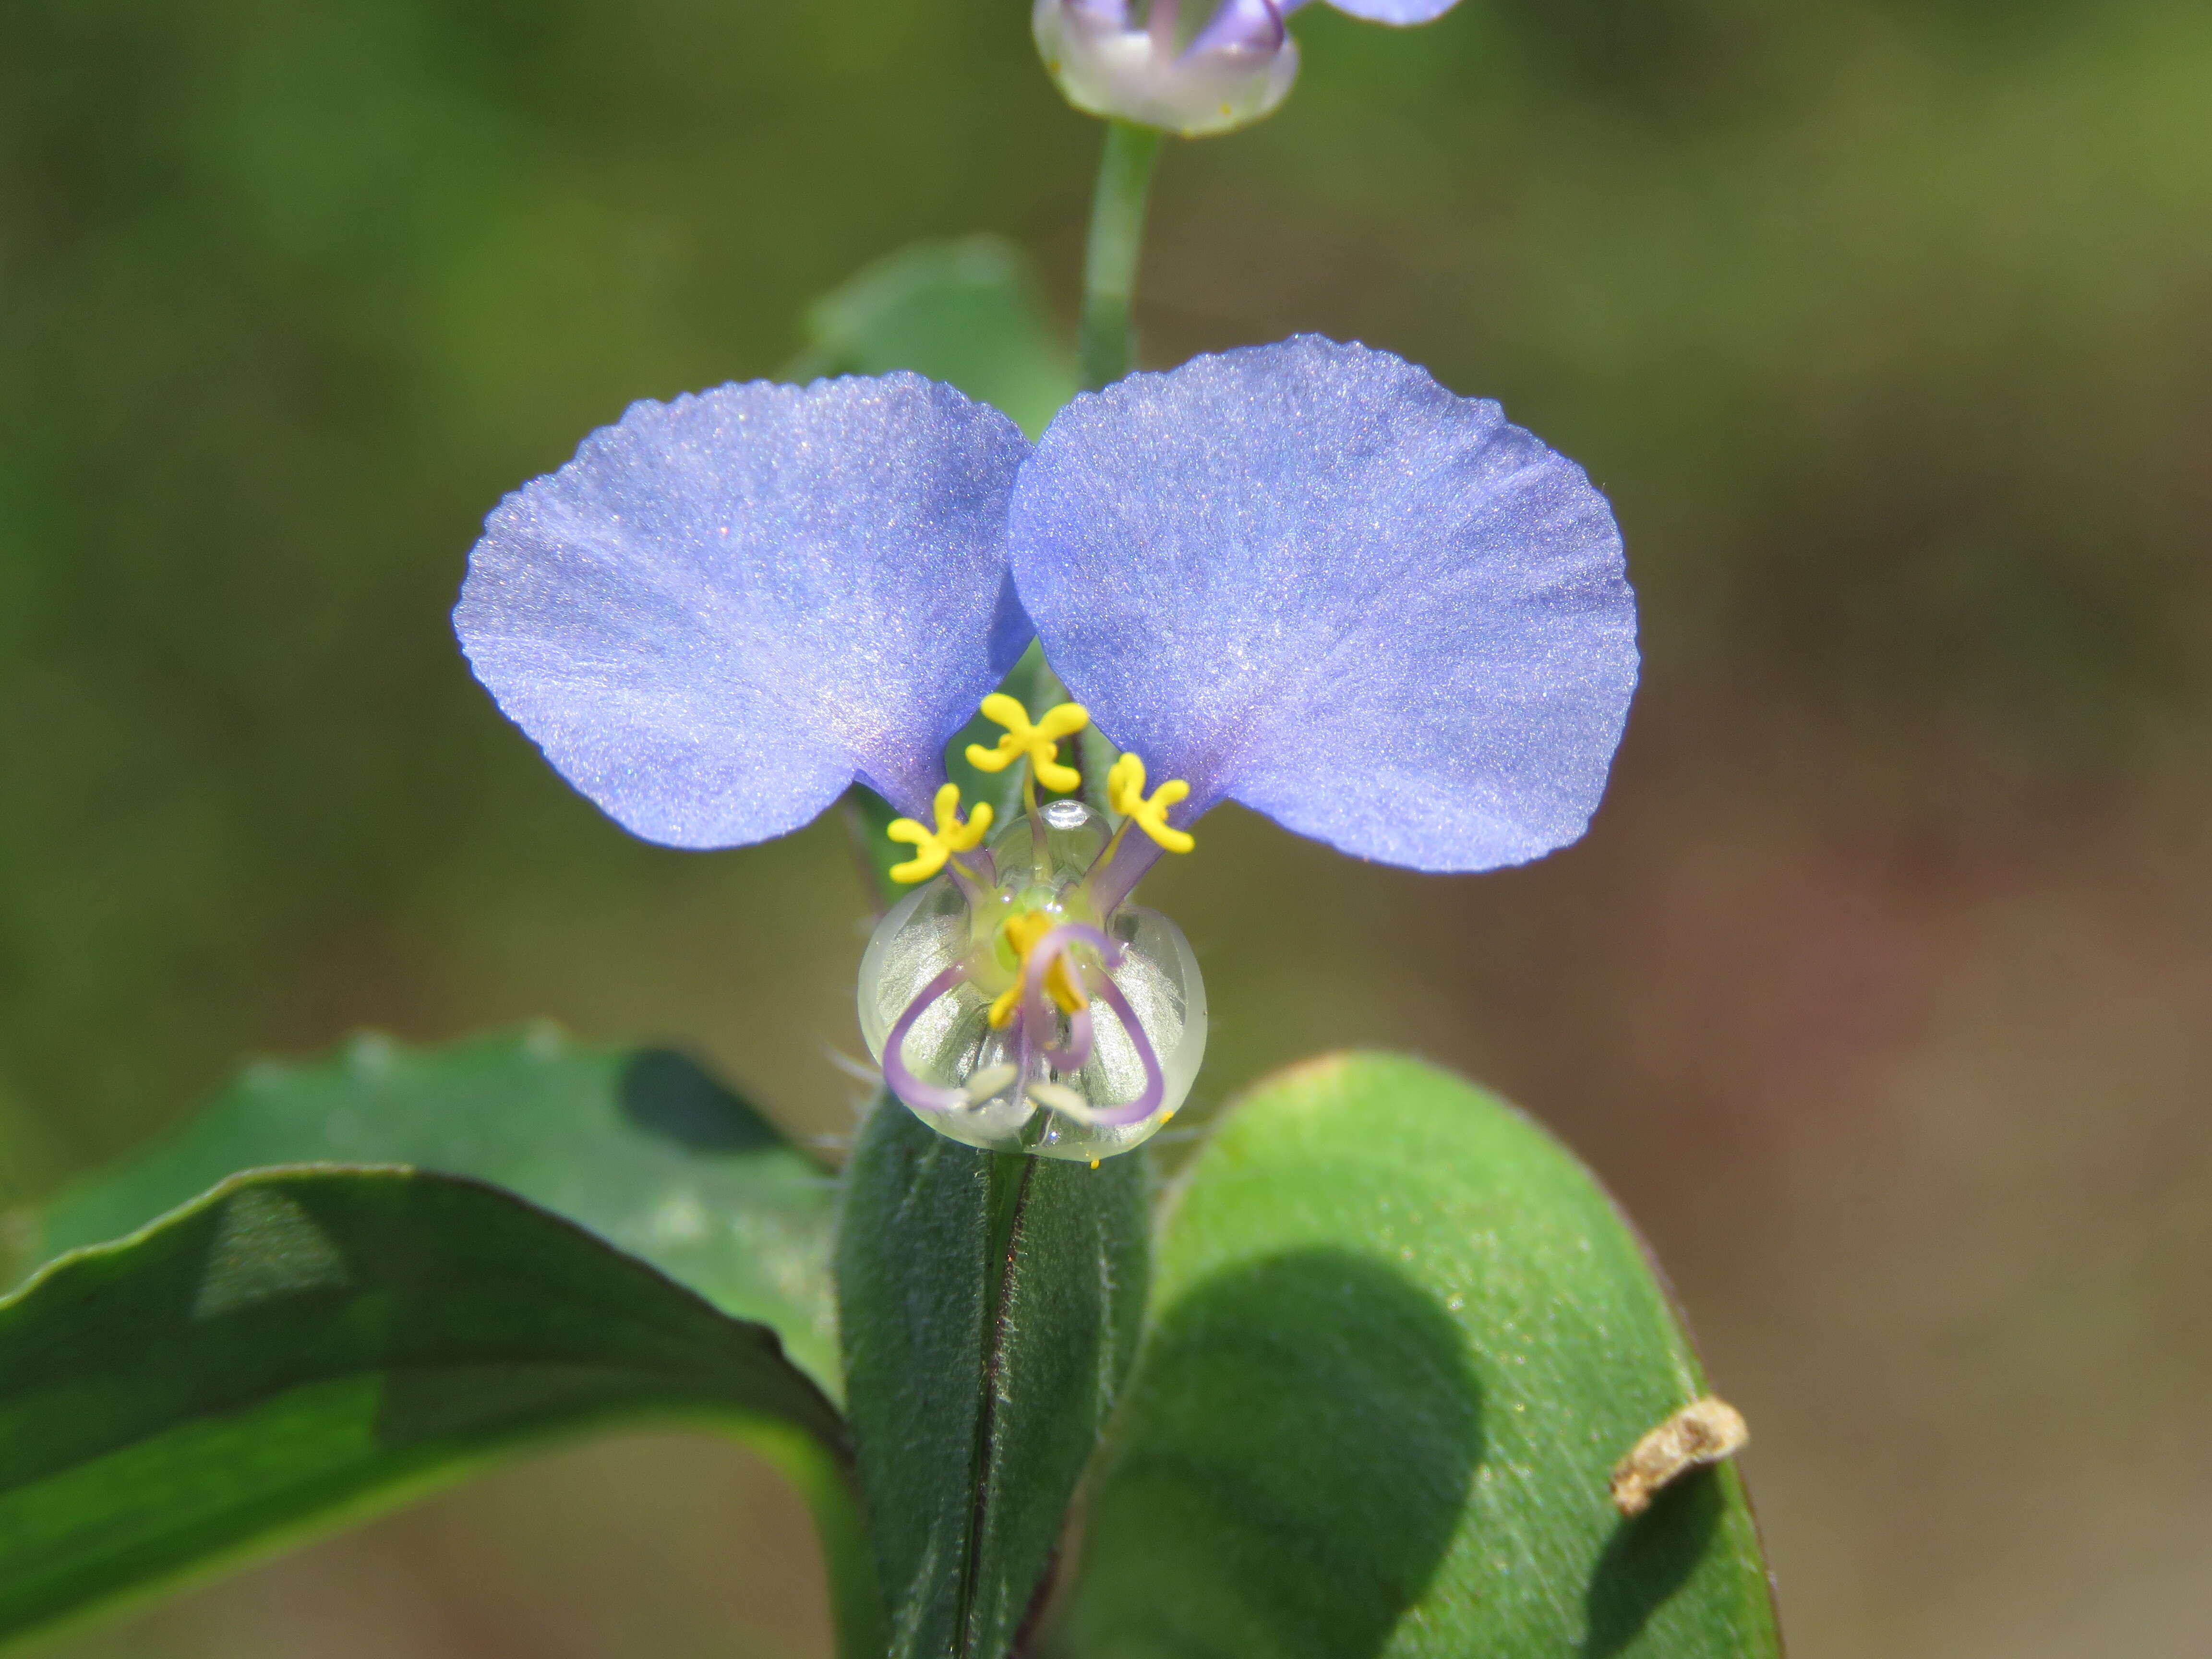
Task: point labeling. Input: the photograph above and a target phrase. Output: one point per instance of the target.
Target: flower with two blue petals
(1305, 577)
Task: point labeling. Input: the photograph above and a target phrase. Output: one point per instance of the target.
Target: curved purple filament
(1154, 1090)
(922, 1097)
(1036, 1016)
(1076, 1055)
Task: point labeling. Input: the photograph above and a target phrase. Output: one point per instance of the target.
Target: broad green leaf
(1399, 1337)
(299, 1346)
(964, 312)
(639, 1146)
(990, 1304)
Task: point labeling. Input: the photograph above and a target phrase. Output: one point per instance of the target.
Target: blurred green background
(1882, 990)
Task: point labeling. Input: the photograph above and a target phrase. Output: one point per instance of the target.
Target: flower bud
(1230, 73)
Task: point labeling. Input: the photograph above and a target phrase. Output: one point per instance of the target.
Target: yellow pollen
(1022, 932)
(1125, 793)
(933, 847)
(1040, 742)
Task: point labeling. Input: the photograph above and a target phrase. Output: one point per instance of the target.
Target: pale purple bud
(1235, 69)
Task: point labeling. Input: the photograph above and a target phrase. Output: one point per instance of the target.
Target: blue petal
(1306, 577)
(728, 607)
(1388, 11)
(1012, 630)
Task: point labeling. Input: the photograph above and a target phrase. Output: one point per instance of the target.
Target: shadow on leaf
(665, 1095)
(1289, 1473)
(1649, 1559)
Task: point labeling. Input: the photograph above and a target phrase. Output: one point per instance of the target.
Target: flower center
(1017, 1002)
(1036, 742)
(1019, 938)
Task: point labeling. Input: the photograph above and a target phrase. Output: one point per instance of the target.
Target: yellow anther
(1022, 932)
(933, 847)
(1040, 742)
(1125, 793)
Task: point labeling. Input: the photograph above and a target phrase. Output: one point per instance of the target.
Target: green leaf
(964, 312)
(1399, 1337)
(639, 1146)
(299, 1346)
(990, 1304)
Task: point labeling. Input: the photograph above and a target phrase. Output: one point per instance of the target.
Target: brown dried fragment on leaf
(1702, 1432)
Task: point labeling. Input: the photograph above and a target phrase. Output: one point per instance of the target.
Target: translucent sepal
(1238, 68)
(1081, 1084)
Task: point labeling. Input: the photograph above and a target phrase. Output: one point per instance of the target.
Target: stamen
(1074, 1057)
(1022, 934)
(1047, 968)
(934, 846)
(1059, 1097)
(923, 1096)
(1125, 793)
(1040, 741)
(1154, 1090)
(988, 1082)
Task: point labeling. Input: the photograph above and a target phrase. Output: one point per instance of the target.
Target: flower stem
(1110, 266)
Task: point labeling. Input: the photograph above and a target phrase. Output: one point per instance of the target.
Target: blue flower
(1302, 576)
(1192, 74)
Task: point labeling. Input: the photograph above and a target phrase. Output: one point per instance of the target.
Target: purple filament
(923, 1096)
(1036, 1024)
(1128, 859)
(975, 882)
(1155, 1089)
(1036, 1016)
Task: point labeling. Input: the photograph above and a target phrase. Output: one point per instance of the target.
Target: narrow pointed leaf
(639, 1146)
(989, 1306)
(1399, 1337)
(299, 1346)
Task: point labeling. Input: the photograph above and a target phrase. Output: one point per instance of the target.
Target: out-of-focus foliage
(966, 311)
